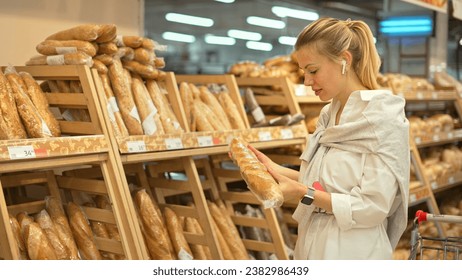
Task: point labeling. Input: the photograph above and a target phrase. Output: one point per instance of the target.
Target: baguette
(148, 44)
(54, 47)
(55, 210)
(149, 114)
(40, 101)
(258, 179)
(201, 121)
(109, 48)
(144, 70)
(106, 33)
(229, 231)
(76, 58)
(122, 91)
(82, 233)
(153, 226)
(102, 202)
(231, 111)
(187, 101)
(87, 32)
(159, 62)
(16, 228)
(10, 121)
(168, 118)
(45, 222)
(200, 111)
(115, 117)
(129, 41)
(105, 59)
(126, 53)
(35, 125)
(223, 245)
(144, 56)
(99, 66)
(198, 251)
(37, 243)
(212, 102)
(175, 231)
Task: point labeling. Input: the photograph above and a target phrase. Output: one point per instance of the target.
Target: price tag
(417, 140)
(412, 198)
(451, 180)
(287, 133)
(136, 146)
(205, 141)
(434, 95)
(420, 96)
(21, 152)
(264, 136)
(436, 138)
(434, 185)
(450, 135)
(174, 143)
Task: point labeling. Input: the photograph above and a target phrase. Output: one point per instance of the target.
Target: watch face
(307, 200)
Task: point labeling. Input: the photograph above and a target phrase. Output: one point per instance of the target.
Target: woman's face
(323, 75)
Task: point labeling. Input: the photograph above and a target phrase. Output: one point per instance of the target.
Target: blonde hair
(331, 37)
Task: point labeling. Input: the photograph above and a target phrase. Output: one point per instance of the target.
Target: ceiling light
(294, 13)
(259, 46)
(187, 19)
(244, 35)
(266, 22)
(180, 37)
(287, 40)
(219, 40)
(225, 1)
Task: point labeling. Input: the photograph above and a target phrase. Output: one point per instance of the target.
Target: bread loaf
(123, 93)
(204, 118)
(35, 125)
(144, 70)
(16, 228)
(148, 44)
(37, 243)
(54, 47)
(105, 59)
(55, 210)
(223, 245)
(175, 231)
(187, 101)
(76, 58)
(87, 32)
(102, 202)
(258, 179)
(126, 53)
(99, 66)
(149, 114)
(115, 117)
(212, 102)
(229, 231)
(83, 235)
(106, 33)
(153, 226)
(109, 48)
(40, 101)
(231, 110)
(144, 56)
(129, 41)
(10, 121)
(61, 250)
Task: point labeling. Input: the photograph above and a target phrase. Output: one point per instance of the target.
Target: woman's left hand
(291, 189)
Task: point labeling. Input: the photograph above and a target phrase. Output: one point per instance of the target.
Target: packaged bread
(205, 118)
(175, 231)
(148, 44)
(76, 58)
(115, 117)
(149, 114)
(196, 93)
(187, 101)
(102, 202)
(16, 228)
(46, 223)
(10, 121)
(129, 41)
(258, 179)
(229, 231)
(99, 66)
(159, 62)
(40, 101)
(144, 70)
(222, 244)
(37, 243)
(126, 53)
(87, 32)
(144, 56)
(212, 102)
(109, 48)
(169, 120)
(123, 93)
(198, 251)
(54, 47)
(104, 58)
(83, 235)
(231, 110)
(153, 226)
(56, 212)
(35, 125)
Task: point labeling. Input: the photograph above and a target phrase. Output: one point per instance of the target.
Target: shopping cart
(447, 248)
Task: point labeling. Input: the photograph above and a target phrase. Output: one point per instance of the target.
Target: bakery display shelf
(428, 95)
(446, 181)
(434, 139)
(418, 195)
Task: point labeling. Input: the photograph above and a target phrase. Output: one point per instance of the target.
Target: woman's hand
(291, 189)
(264, 159)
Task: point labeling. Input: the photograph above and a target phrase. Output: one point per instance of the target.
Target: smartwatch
(309, 196)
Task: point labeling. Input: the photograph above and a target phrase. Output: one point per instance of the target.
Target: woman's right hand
(270, 164)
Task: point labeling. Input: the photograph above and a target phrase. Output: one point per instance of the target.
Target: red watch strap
(317, 186)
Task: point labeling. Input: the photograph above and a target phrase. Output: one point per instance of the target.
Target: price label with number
(264, 136)
(21, 152)
(434, 185)
(413, 198)
(287, 133)
(136, 146)
(174, 144)
(205, 141)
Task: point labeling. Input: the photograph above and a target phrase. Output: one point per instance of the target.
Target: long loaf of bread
(10, 121)
(37, 243)
(16, 228)
(212, 102)
(198, 251)
(258, 179)
(46, 223)
(87, 32)
(115, 116)
(54, 47)
(231, 110)
(175, 231)
(187, 101)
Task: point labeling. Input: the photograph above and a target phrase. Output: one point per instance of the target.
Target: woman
(354, 174)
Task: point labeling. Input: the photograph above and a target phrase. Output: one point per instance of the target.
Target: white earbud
(343, 66)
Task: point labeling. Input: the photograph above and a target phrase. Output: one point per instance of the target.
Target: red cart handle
(421, 216)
